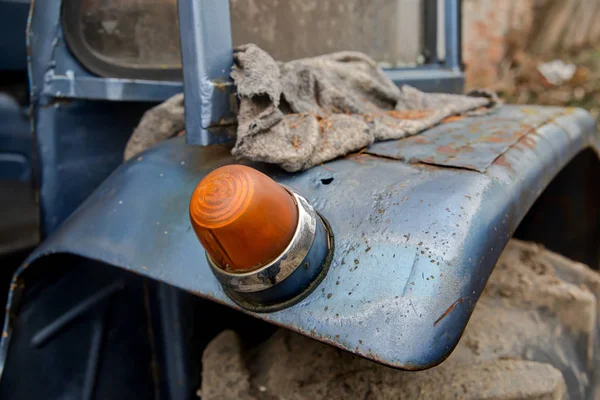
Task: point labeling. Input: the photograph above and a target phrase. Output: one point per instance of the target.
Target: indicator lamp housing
(265, 243)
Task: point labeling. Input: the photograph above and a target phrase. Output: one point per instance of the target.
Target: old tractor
(390, 253)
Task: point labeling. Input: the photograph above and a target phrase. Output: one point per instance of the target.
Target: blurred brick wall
(491, 30)
(390, 30)
(564, 25)
(495, 30)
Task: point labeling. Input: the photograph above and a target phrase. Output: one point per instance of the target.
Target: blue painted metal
(415, 243)
(13, 20)
(452, 28)
(16, 142)
(15, 137)
(78, 141)
(65, 77)
(78, 145)
(18, 208)
(115, 89)
(207, 54)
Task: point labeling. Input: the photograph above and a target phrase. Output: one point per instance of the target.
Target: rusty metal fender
(418, 227)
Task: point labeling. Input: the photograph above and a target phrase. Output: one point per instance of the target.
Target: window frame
(207, 57)
(94, 62)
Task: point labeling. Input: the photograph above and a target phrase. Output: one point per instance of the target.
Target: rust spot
(222, 122)
(448, 311)
(570, 110)
(409, 114)
(446, 150)
(529, 111)
(358, 158)
(528, 142)
(58, 101)
(296, 142)
(327, 168)
(519, 134)
(452, 118)
(220, 85)
(495, 139)
(427, 165)
(324, 125)
(421, 140)
(466, 149)
(474, 128)
(502, 161)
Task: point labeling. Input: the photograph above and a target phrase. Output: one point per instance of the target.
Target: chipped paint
(448, 311)
(411, 238)
(472, 143)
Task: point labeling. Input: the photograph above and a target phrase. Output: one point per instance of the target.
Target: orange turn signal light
(242, 217)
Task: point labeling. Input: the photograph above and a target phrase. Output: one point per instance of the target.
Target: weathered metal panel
(415, 243)
(473, 143)
(78, 143)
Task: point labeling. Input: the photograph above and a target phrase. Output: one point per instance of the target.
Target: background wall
(391, 31)
(495, 31)
(387, 30)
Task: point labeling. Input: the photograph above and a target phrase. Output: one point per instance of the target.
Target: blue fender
(418, 223)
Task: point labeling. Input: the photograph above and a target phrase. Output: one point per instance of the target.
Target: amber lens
(242, 217)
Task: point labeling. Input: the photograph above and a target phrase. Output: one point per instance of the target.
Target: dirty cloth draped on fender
(305, 112)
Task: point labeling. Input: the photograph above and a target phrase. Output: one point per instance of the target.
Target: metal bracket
(207, 53)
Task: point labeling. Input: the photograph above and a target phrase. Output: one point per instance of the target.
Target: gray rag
(157, 124)
(305, 112)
